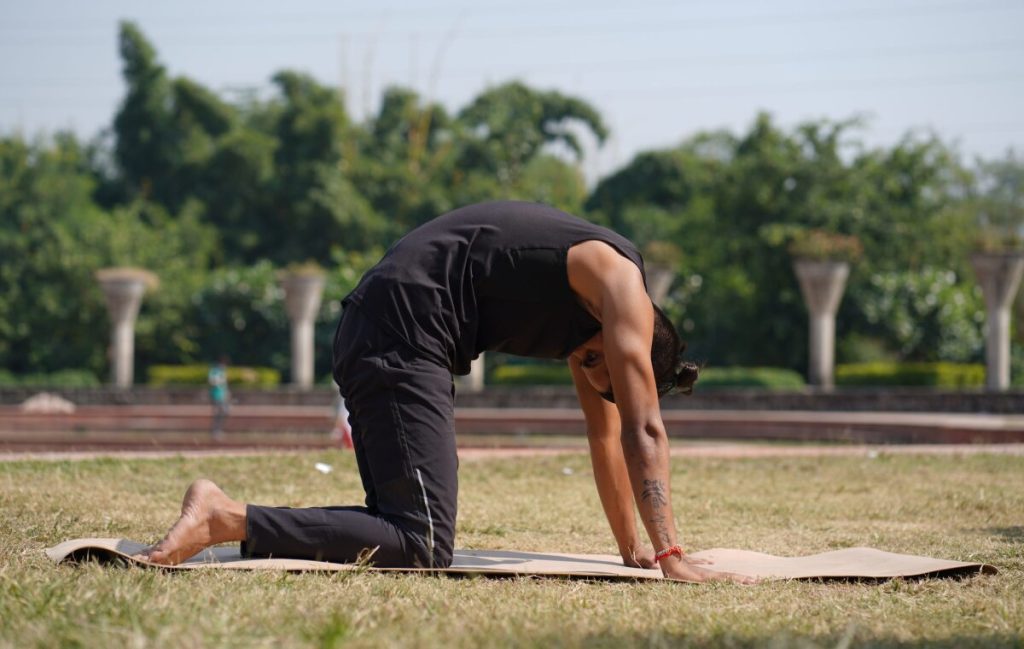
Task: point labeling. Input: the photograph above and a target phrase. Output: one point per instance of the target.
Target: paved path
(851, 427)
(697, 450)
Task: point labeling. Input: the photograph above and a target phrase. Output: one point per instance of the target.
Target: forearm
(647, 459)
(615, 490)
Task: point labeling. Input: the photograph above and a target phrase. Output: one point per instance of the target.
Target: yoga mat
(851, 563)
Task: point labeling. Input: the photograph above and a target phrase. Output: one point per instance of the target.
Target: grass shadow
(852, 636)
(1013, 533)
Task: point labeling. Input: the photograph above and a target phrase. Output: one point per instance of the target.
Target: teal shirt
(218, 380)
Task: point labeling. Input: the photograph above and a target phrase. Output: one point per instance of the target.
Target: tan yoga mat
(851, 563)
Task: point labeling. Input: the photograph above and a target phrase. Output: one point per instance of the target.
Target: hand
(639, 557)
(686, 569)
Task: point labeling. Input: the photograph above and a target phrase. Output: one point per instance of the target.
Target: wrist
(630, 546)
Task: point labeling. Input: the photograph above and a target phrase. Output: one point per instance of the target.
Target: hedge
(249, 377)
(532, 374)
(886, 373)
(771, 378)
(775, 378)
(58, 379)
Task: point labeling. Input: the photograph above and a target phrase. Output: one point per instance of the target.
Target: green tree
(998, 201)
(927, 314)
(239, 312)
(728, 202)
(144, 146)
(510, 124)
(312, 205)
(53, 238)
(50, 317)
(405, 157)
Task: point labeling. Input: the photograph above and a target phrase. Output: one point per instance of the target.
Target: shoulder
(596, 269)
(597, 259)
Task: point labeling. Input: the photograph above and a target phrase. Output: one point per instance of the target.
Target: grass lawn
(969, 508)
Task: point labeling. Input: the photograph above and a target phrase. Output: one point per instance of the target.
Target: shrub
(939, 375)
(250, 377)
(73, 379)
(772, 378)
(925, 315)
(820, 245)
(775, 378)
(58, 379)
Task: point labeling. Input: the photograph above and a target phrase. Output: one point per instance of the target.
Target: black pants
(401, 409)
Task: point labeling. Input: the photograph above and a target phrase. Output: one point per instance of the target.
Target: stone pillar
(659, 280)
(822, 284)
(123, 289)
(474, 381)
(999, 275)
(302, 293)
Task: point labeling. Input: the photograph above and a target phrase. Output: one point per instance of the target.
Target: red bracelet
(668, 552)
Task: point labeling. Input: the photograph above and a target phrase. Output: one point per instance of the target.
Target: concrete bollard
(474, 381)
(123, 289)
(822, 284)
(999, 275)
(302, 293)
(659, 280)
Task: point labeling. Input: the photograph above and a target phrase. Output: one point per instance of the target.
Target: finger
(746, 580)
(159, 556)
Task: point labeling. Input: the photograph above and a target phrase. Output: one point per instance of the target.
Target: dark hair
(671, 372)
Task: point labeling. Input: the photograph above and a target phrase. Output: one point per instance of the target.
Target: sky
(657, 71)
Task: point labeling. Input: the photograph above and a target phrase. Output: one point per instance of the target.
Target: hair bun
(686, 376)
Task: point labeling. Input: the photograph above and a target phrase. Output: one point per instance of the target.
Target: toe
(158, 556)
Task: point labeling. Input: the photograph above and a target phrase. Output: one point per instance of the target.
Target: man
(219, 396)
(514, 277)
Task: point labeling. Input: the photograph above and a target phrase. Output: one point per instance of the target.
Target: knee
(444, 556)
(424, 552)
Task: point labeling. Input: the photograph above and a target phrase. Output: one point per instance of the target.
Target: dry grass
(969, 508)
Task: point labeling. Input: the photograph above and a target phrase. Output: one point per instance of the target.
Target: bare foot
(208, 517)
(686, 570)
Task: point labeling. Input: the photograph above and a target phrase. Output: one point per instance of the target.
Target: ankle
(230, 519)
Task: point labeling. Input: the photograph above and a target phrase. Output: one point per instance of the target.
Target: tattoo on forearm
(654, 494)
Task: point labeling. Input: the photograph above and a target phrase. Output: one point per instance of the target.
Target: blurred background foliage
(216, 195)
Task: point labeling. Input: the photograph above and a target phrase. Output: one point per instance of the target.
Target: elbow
(643, 442)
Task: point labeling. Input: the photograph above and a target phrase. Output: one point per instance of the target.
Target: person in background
(341, 433)
(219, 396)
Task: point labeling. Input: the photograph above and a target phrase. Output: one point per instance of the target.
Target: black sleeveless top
(490, 276)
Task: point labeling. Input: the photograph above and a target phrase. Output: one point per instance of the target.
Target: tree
(512, 122)
(53, 238)
(239, 312)
(732, 203)
(144, 146)
(312, 204)
(998, 198)
(45, 279)
(405, 161)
